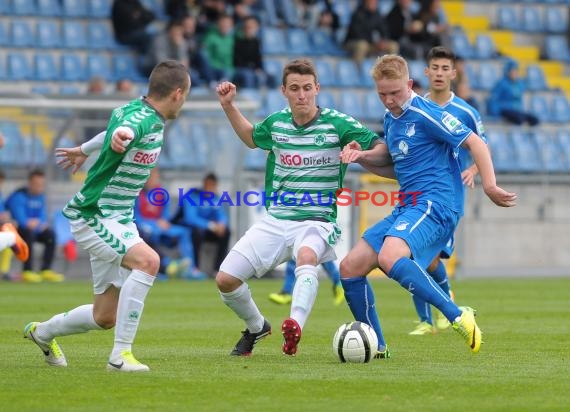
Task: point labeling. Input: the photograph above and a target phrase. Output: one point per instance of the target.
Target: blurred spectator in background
(124, 87)
(209, 223)
(329, 21)
(401, 25)
(506, 97)
(28, 207)
(242, 9)
(169, 44)
(308, 12)
(367, 33)
(434, 28)
(201, 69)
(178, 9)
(218, 47)
(94, 120)
(248, 60)
(210, 13)
(130, 21)
(461, 85)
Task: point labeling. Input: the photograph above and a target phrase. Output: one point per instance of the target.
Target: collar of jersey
(426, 96)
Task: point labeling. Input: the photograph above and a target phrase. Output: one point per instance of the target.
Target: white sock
(241, 302)
(78, 320)
(7, 239)
(304, 293)
(129, 310)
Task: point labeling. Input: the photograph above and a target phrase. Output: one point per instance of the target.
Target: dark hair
(211, 176)
(299, 66)
(441, 52)
(166, 77)
(36, 173)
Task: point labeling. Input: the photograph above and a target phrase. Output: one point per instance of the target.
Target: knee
(306, 256)
(105, 320)
(227, 283)
(386, 260)
(147, 262)
(347, 269)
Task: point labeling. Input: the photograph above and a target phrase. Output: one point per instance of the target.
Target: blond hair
(391, 67)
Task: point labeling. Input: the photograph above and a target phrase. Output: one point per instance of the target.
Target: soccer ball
(355, 342)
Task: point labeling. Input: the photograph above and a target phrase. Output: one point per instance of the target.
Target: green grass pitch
(187, 333)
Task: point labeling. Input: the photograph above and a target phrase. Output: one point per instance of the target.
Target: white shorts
(272, 241)
(107, 242)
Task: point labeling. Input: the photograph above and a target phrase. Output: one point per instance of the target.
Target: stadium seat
(45, 67)
(538, 104)
(288, 11)
(49, 8)
(555, 21)
(274, 67)
(11, 153)
(4, 35)
(324, 45)
(124, 67)
(274, 102)
(374, 109)
(270, 12)
(48, 34)
(74, 8)
(556, 48)
(72, 68)
(19, 67)
(553, 157)
(526, 150)
(417, 68)
(351, 104)
(560, 109)
(3, 72)
(68, 90)
(347, 74)
(325, 73)
(298, 42)
(325, 99)
(42, 89)
(255, 159)
(507, 18)
(100, 36)
(461, 45)
(180, 151)
(535, 80)
(199, 137)
(23, 7)
(273, 41)
(34, 152)
(488, 76)
(98, 66)
(22, 34)
(344, 11)
(74, 36)
(531, 20)
(502, 150)
(365, 77)
(100, 8)
(485, 47)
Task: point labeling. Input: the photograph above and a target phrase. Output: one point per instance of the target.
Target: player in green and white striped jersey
(302, 177)
(101, 219)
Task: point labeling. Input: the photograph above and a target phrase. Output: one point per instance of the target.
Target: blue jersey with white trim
(423, 142)
(471, 118)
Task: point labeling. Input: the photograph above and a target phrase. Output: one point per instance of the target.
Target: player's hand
(120, 141)
(501, 197)
(70, 157)
(226, 92)
(468, 178)
(351, 153)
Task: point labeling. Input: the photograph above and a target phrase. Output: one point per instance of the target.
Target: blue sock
(360, 298)
(423, 309)
(289, 281)
(332, 270)
(440, 276)
(414, 279)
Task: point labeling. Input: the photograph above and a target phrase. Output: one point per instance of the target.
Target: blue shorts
(425, 227)
(447, 251)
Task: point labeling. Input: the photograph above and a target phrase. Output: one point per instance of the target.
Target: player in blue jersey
(440, 71)
(422, 140)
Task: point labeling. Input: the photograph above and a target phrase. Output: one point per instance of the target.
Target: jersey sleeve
(262, 134)
(444, 126)
(350, 129)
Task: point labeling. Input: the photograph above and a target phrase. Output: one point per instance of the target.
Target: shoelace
(130, 358)
(55, 349)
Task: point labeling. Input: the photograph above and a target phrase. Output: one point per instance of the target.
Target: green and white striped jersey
(303, 170)
(115, 180)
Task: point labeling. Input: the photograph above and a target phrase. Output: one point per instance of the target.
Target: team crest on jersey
(320, 140)
(155, 127)
(401, 225)
(410, 129)
(403, 146)
(127, 235)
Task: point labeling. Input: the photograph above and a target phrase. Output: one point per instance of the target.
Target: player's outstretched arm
(482, 158)
(76, 156)
(376, 160)
(244, 129)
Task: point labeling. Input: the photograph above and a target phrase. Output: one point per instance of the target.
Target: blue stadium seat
(100, 36)
(325, 99)
(124, 66)
(351, 104)
(4, 35)
(488, 76)
(344, 11)
(365, 77)
(553, 157)
(560, 109)
(180, 150)
(98, 65)
(502, 150)
(69, 90)
(298, 42)
(255, 159)
(347, 74)
(538, 104)
(555, 21)
(74, 8)
(34, 152)
(11, 153)
(563, 137)
(46, 67)
(526, 150)
(485, 47)
(556, 48)
(461, 45)
(270, 12)
(324, 45)
(325, 73)
(49, 8)
(274, 102)
(48, 34)
(507, 18)
(19, 67)
(3, 72)
(100, 8)
(23, 7)
(416, 68)
(374, 109)
(74, 36)
(42, 89)
(288, 11)
(201, 145)
(22, 34)
(472, 76)
(273, 41)
(535, 80)
(531, 20)
(72, 68)
(273, 67)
